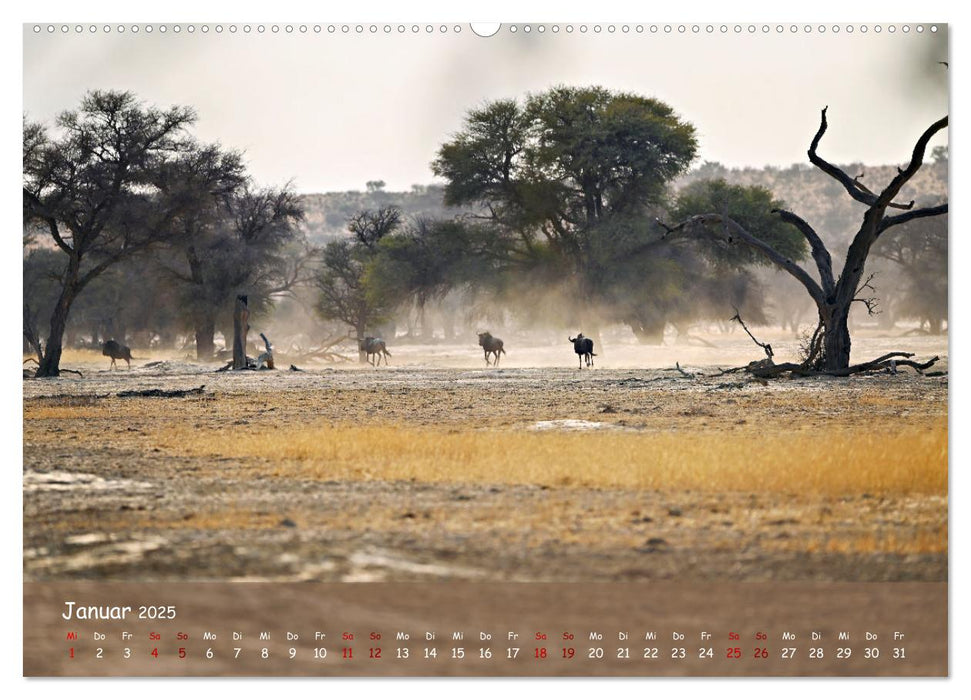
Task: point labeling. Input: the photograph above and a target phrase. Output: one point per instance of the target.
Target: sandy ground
(105, 499)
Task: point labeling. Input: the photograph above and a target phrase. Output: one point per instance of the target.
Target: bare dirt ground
(154, 488)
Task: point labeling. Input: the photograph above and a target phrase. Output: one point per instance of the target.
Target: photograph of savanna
(565, 303)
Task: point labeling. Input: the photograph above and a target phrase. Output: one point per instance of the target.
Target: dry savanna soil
(438, 467)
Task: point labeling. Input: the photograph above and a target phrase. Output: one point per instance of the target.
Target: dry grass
(931, 540)
(874, 459)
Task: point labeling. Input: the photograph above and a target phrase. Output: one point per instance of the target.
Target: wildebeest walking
(116, 351)
(376, 347)
(583, 347)
(491, 346)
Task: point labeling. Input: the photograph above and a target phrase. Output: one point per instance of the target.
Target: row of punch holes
(485, 30)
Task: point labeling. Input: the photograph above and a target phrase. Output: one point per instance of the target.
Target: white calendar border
(510, 11)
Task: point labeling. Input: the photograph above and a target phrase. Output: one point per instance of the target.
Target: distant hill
(326, 215)
(807, 191)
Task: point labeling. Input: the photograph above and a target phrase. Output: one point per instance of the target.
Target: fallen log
(161, 393)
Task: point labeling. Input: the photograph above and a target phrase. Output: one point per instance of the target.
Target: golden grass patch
(68, 412)
(924, 541)
(900, 459)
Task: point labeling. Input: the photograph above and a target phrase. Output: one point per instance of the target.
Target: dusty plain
(439, 468)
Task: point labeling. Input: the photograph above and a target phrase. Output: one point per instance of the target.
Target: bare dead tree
(832, 295)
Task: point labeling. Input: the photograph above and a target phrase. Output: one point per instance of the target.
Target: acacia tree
(919, 249)
(346, 294)
(94, 190)
(236, 246)
(422, 263)
(833, 296)
(564, 172)
(684, 281)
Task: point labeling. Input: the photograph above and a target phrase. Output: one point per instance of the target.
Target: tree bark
(361, 355)
(240, 328)
(205, 339)
(836, 340)
(50, 365)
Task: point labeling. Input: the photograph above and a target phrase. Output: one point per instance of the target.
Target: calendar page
(496, 350)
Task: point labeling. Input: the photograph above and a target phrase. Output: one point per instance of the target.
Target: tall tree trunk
(361, 355)
(836, 339)
(426, 326)
(50, 366)
(205, 338)
(240, 329)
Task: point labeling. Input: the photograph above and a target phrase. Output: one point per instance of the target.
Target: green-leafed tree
(345, 292)
(563, 172)
(919, 249)
(236, 246)
(97, 189)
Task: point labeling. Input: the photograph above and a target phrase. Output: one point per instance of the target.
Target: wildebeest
(374, 346)
(116, 351)
(583, 347)
(491, 346)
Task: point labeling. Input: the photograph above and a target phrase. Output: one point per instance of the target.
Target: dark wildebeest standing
(374, 346)
(583, 347)
(491, 346)
(116, 351)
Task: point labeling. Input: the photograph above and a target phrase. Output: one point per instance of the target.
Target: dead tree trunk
(240, 328)
(833, 296)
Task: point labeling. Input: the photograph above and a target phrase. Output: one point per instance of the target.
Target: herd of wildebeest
(375, 349)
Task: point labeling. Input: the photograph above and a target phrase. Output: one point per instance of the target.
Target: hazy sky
(332, 111)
